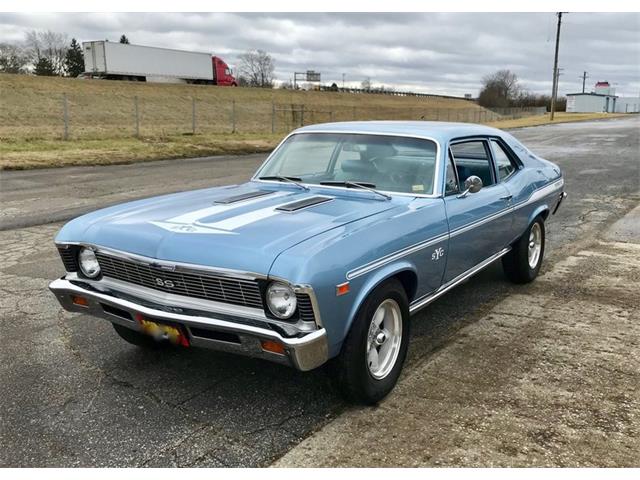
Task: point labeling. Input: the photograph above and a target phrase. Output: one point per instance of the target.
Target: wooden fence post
(65, 115)
(137, 112)
(233, 116)
(193, 115)
(273, 117)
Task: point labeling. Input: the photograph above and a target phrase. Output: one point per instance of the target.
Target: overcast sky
(428, 52)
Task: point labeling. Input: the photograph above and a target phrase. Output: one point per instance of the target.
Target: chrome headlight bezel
(281, 300)
(88, 263)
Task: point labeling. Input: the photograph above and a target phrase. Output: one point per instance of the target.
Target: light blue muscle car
(345, 231)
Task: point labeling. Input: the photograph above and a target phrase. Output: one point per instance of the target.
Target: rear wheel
(522, 263)
(139, 339)
(374, 351)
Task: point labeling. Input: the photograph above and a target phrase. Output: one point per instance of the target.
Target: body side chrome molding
(427, 299)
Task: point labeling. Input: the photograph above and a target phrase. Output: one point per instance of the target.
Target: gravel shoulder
(548, 377)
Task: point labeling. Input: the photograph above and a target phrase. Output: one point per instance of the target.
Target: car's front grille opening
(215, 335)
(69, 256)
(118, 312)
(305, 307)
(205, 285)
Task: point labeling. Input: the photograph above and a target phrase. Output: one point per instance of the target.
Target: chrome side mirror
(473, 184)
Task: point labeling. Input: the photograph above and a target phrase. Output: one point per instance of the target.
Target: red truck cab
(222, 74)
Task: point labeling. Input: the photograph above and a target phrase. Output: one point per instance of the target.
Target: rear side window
(504, 164)
(472, 158)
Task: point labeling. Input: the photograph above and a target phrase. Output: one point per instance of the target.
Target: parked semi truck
(123, 61)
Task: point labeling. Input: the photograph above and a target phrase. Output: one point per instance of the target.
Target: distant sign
(313, 76)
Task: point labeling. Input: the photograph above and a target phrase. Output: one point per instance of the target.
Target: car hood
(218, 227)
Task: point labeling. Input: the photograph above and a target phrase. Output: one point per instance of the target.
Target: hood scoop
(304, 203)
(243, 196)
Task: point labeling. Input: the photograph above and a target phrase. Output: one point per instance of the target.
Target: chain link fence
(100, 115)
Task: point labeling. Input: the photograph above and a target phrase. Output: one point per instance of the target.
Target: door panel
(479, 224)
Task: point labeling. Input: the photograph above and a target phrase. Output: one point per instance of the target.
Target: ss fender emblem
(437, 254)
(164, 283)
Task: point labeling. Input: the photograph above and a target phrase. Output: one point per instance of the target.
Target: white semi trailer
(123, 61)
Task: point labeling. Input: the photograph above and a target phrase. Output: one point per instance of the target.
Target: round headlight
(88, 263)
(281, 300)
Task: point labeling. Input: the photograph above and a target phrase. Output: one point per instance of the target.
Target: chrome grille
(205, 285)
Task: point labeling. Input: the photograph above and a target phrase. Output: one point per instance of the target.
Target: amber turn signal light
(273, 347)
(342, 289)
(82, 301)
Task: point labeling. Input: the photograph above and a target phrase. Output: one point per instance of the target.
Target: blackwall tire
(361, 374)
(522, 264)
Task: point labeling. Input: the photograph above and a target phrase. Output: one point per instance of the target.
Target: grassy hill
(102, 120)
(32, 107)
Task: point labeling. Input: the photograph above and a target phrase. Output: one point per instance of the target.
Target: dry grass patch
(19, 155)
(560, 117)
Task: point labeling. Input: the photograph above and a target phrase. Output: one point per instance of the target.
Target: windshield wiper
(363, 185)
(281, 178)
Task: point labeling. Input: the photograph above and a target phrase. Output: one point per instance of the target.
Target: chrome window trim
(436, 193)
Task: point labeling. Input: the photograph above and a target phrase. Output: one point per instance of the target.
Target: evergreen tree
(124, 39)
(44, 67)
(74, 59)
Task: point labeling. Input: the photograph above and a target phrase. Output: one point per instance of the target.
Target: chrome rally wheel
(535, 245)
(384, 339)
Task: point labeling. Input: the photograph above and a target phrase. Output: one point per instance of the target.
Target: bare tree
(256, 69)
(500, 89)
(13, 58)
(366, 84)
(49, 45)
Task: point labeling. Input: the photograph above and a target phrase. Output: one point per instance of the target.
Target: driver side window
(472, 158)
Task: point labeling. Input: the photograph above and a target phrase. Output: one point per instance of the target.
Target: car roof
(440, 131)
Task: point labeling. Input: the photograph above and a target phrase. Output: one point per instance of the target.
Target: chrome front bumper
(304, 352)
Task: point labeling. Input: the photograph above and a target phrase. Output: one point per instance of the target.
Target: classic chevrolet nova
(345, 231)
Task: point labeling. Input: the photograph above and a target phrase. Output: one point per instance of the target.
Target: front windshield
(390, 163)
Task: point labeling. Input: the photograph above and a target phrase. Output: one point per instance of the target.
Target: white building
(602, 99)
(628, 105)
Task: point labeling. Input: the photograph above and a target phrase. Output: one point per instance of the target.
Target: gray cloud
(431, 52)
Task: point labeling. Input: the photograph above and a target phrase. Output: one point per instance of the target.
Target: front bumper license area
(303, 353)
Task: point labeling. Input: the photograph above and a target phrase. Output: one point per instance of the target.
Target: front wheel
(374, 351)
(522, 263)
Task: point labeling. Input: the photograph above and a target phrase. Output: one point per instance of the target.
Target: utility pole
(584, 77)
(343, 81)
(554, 89)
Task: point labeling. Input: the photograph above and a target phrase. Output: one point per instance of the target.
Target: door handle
(506, 197)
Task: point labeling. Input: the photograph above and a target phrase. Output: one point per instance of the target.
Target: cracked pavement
(74, 394)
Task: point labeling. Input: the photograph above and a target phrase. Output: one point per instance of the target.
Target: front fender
(370, 282)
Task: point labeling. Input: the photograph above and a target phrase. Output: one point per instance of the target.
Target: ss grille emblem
(164, 283)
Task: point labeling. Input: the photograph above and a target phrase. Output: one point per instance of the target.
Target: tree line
(502, 89)
(44, 53)
(52, 54)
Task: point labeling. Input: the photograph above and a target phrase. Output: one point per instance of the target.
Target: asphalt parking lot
(74, 394)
